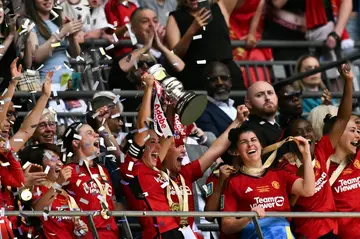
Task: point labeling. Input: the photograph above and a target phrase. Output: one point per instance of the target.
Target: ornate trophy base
(190, 107)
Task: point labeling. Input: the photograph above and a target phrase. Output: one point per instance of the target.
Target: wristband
(336, 36)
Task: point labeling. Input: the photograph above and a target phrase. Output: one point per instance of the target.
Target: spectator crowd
(272, 151)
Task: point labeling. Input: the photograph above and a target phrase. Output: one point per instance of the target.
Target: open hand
(34, 175)
(47, 84)
(326, 98)
(15, 71)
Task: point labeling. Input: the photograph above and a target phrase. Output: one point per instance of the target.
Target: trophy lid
(193, 109)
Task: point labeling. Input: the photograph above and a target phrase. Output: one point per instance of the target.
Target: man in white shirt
(220, 112)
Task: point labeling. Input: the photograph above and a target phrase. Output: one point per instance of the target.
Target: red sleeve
(210, 185)
(13, 174)
(110, 17)
(288, 178)
(228, 202)
(324, 147)
(192, 171)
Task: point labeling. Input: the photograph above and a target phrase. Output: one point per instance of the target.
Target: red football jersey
(346, 190)
(322, 201)
(270, 191)
(191, 172)
(119, 13)
(85, 192)
(150, 182)
(211, 182)
(56, 227)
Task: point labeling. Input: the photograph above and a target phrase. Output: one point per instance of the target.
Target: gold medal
(184, 221)
(175, 207)
(104, 214)
(25, 195)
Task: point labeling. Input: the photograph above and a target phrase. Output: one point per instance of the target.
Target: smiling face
(152, 149)
(53, 162)
(174, 158)
(249, 148)
(143, 24)
(8, 123)
(89, 144)
(220, 83)
(350, 138)
(44, 6)
(45, 131)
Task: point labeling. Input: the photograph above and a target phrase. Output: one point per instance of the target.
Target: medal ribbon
(338, 170)
(103, 189)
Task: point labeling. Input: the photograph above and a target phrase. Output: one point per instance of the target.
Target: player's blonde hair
(317, 115)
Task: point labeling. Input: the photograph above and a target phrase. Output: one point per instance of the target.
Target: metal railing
(212, 227)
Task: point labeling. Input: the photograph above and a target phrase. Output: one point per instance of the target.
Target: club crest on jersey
(275, 184)
(357, 164)
(209, 189)
(317, 164)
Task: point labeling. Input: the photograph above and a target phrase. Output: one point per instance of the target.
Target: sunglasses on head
(292, 94)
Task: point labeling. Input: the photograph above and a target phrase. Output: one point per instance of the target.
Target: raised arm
(279, 3)
(28, 127)
(15, 74)
(304, 187)
(343, 16)
(251, 38)
(222, 143)
(345, 107)
(228, 6)
(145, 109)
(178, 44)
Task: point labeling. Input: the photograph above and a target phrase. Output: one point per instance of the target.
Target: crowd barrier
(211, 227)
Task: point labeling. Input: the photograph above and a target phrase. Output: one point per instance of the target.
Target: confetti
(109, 47)
(147, 138)
(31, 72)
(18, 140)
(129, 175)
(54, 45)
(111, 26)
(201, 62)
(4, 164)
(197, 37)
(78, 127)
(95, 115)
(7, 10)
(76, 136)
(115, 116)
(165, 184)
(70, 154)
(101, 198)
(47, 155)
(58, 68)
(78, 182)
(142, 129)
(46, 171)
(84, 201)
(26, 165)
(122, 158)
(4, 92)
(116, 99)
(116, 39)
(102, 51)
(52, 12)
(145, 195)
(20, 231)
(40, 67)
(17, 106)
(45, 216)
(95, 85)
(102, 143)
(111, 148)
(91, 157)
(64, 158)
(130, 166)
(2, 212)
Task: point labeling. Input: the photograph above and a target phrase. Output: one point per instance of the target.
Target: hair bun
(327, 117)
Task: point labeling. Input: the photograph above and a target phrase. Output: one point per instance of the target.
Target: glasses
(223, 78)
(43, 125)
(11, 114)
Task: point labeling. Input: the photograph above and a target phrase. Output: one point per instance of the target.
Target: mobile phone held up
(205, 4)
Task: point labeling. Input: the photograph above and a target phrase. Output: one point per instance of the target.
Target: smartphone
(205, 4)
(75, 80)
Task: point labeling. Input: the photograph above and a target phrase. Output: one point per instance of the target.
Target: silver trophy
(188, 105)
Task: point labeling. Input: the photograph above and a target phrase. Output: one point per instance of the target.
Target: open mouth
(355, 143)
(154, 155)
(97, 144)
(57, 170)
(180, 159)
(252, 151)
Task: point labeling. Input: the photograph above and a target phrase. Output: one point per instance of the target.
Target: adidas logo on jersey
(248, 190)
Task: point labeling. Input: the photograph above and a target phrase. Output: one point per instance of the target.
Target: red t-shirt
(270, 191)
(86, 197)
(211, 182)
(322, 201)
(191, 172)
(118, 12)
(150, 182)
(56, 227)
(346, 190)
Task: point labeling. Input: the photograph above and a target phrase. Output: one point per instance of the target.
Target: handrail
(189, 214)
(234, 43)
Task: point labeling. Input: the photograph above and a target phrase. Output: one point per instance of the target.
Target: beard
(221, 96)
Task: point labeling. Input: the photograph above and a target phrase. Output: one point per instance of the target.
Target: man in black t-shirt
(262, 102)
(150, 50)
